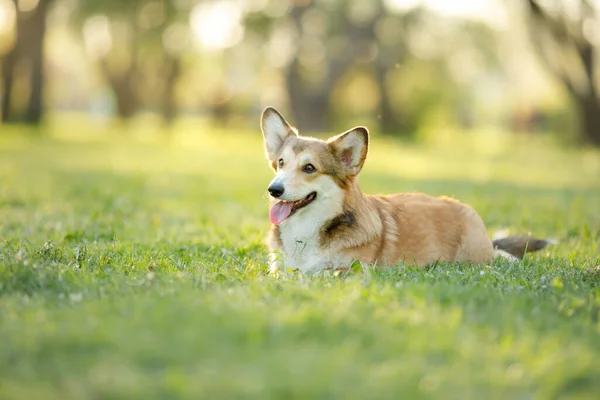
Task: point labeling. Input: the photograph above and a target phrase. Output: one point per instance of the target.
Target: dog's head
(309, 170)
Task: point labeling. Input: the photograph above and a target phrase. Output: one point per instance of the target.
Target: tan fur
(416, 229)
(348, 226)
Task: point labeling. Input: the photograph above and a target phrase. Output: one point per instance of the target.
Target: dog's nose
(276, 190)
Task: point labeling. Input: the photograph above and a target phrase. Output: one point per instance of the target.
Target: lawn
(133, 266)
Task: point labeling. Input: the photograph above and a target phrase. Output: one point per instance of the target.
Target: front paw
(355, 266)
(275, 264)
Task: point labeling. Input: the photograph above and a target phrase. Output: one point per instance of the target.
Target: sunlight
(97, 37)
(402, 5)
(217, 25)
(489, 11)
(7, 10)
(27, 5)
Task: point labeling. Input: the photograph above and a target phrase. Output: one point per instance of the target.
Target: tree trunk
(122, 84)
(36, 96)
(310, 107)
(168, 101)
(127, 102)
(565, 36)
(123, 81)
(311, 112)
(389, 121)
(590, 120)
(8, 66)
(28, 48)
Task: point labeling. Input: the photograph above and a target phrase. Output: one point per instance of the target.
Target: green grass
(133, 266)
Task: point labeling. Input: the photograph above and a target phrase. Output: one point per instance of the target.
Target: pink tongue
(280, 211)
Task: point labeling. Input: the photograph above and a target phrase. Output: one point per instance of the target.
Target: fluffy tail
(517, 246)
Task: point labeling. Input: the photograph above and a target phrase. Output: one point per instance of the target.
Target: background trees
(566, 35)
(22, 65)
(401, 65)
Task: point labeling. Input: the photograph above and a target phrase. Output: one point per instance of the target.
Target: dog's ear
(350, 149)
(275, 131)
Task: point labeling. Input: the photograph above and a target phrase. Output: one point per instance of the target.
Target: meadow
(133, 266)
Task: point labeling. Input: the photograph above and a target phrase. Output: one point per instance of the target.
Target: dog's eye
(309, 168)
(280, 162)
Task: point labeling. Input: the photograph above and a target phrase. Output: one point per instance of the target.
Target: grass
(133, 266)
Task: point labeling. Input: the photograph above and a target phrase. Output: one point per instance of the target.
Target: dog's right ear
(275, 131)
(350, 148)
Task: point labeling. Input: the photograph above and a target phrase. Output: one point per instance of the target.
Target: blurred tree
(138, 45)
(565, 39)
(309, 86)
(323, 46)
(386, 51)
(331, 38)
(25, 60)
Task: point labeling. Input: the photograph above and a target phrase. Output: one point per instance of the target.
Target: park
(134, 208)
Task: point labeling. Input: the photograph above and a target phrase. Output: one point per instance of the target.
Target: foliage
(567, 42)
(138, 47)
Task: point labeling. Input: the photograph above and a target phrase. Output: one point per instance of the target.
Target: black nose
(276, 190)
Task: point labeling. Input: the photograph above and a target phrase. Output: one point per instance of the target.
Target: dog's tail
(517, 246)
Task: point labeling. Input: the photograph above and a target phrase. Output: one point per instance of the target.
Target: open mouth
(282, 210)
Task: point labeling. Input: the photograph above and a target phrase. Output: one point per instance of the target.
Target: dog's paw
(274, 264)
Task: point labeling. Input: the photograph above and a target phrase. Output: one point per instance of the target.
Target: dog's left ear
(350, 148)
(275, 131)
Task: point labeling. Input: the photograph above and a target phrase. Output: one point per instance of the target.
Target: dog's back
(420, 229)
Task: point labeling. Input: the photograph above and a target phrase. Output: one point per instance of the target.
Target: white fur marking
(506, 255)
(300, 234)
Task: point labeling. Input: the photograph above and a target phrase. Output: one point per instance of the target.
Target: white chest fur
(301, 244)
(301, 234)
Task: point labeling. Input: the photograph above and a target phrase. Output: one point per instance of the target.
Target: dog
(322, 221)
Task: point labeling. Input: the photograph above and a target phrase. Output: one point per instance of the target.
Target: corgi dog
(321, 220)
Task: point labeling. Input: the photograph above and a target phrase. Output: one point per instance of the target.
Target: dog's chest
(302, 247)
